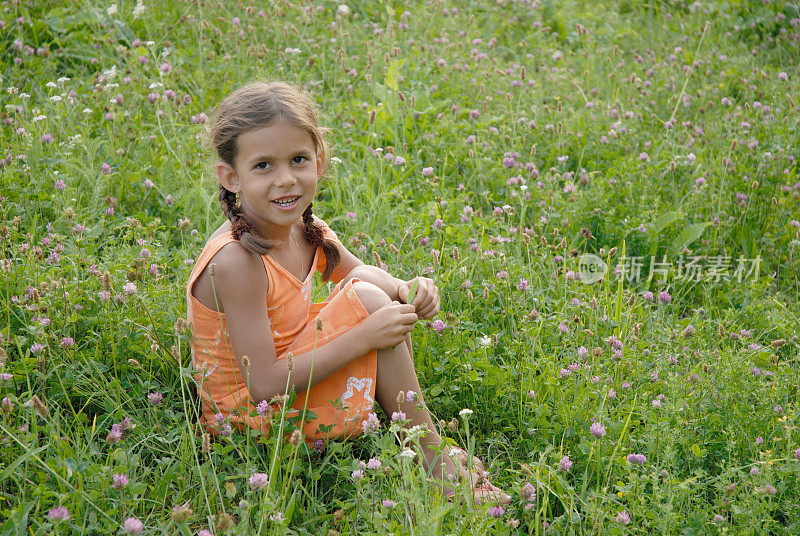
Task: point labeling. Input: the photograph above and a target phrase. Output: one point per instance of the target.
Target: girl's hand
(388, 326)
(426, 302)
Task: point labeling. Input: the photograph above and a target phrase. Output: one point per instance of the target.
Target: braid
(241, 229)
(315, 236)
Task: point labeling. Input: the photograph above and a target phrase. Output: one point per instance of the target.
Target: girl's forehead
(277, 134)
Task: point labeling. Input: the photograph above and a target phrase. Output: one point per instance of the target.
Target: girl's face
(275, 172)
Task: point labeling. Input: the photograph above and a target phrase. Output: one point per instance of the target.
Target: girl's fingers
(430, 312)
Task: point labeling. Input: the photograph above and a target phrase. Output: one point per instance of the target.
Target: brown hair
(255, 105)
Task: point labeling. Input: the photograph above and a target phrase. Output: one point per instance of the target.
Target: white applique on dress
(363, 386)
(306, 289)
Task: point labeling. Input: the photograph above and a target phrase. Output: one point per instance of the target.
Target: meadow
(503, 148)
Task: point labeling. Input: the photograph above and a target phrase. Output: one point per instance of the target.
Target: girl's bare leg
(396, 373)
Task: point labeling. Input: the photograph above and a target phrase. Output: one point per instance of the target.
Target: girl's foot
(482, 488)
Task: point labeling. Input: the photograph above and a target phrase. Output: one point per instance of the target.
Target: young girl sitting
(256, 333)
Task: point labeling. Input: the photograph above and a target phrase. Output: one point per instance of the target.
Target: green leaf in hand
(412, 291)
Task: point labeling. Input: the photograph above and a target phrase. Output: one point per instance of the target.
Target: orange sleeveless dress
(339, 403)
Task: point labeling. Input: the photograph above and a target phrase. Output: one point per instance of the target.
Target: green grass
(644, 98)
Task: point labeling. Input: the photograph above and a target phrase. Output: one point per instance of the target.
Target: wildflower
(411, 396)
(388, 503)
(770, 489)
(466, 412)
(7, 405)
(759, 440)
(351, 216)
(796, 452)
(206, 532)
(523, 284)
(119, 480)
(36, 348)
(115, 435)
(597, 430)
(67, 342)
(407, 453)
(155, 398)
(258, 481)
(358, 474)
(129, 288)
(688, 331)
(139, 10)
(438, 224)
(343, 10)
(636, 459)
(58, 514)
(132, 526)
(263, 408)
(565, 464)
(783, 76)
(644, 157)
(371, 424)
(277, 517)
(664, 297)
(623, 518)
(496, 511)
(373, 464)
(718, 519)
(399, 161)
(60, 184)
(427, 171)
(583, 352)
(754, 471)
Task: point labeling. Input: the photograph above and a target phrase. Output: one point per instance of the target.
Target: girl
(256, 332)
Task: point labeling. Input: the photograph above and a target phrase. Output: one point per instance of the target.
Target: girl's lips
(285, 207)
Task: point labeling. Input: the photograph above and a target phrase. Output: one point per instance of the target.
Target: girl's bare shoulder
(233, 272)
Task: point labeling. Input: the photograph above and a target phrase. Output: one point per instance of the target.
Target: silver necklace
(299, 255)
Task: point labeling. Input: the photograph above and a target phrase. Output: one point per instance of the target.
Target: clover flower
(258, 481)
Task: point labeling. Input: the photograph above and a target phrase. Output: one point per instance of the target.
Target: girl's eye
(299, 159)
(262, 165)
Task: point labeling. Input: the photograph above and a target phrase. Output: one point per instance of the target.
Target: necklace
(299, 255)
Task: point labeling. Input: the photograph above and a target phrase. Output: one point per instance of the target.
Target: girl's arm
(240, 286)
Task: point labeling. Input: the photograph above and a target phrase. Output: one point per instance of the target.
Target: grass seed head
(296, 438)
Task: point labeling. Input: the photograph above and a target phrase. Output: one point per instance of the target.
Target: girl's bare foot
(482, 489)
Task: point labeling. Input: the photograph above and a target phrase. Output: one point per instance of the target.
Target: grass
(536, 132)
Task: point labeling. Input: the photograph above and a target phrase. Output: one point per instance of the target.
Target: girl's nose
(285, 178)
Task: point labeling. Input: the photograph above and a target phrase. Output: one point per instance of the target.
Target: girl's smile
(275, 173)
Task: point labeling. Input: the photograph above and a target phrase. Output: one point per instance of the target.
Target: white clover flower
(150, 43)
(24, 96)
(63, 80)
(112, 9)
(139, 10)
(155, 85)
(336, 160)
(466, 412)
(39, 118)
(343, 10)
(50, 84)
(415, 432)
(485, 341)
(408, 453)
(111, 73)
(87, 110)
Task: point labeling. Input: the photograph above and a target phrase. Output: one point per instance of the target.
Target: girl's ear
(320, 166)
(227, 177)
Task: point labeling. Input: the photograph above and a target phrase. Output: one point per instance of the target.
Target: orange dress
(342, 400)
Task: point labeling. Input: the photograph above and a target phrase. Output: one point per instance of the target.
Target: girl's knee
(371, 296)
